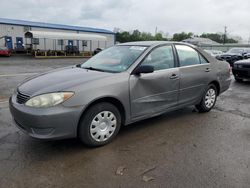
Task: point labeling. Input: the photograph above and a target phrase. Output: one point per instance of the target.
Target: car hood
(243, 62)
(59, 80)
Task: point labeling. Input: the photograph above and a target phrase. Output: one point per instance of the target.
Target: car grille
(246, 66)
(22, 98)
(242, 73)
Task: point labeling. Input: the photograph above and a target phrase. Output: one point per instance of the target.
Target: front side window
(187, 55)
(114, 59)
(160, 58)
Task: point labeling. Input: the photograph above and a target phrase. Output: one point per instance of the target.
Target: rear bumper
(242, 73)
(51, 123)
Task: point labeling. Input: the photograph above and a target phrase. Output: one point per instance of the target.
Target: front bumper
(57, 122)
(241, 73)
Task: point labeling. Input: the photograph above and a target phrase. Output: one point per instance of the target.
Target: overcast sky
(169, 16)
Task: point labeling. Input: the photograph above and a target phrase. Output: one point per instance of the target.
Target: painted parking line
(2, 102)
(14, 75)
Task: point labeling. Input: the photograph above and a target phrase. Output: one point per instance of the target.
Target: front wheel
(100, 124)
(208, 100)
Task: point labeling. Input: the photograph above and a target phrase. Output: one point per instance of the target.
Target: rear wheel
(99, 125)
(208, 100)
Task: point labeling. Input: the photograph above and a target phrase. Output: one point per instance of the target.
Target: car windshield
(115, 59)
(236, 50)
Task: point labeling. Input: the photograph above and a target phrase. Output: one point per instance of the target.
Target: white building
(19, 35)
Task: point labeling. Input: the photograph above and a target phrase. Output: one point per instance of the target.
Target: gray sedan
(120, 85)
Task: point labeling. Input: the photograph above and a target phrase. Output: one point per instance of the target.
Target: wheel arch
(217, 85)
(116, 102)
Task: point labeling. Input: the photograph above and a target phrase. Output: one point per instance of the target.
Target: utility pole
(225, 35)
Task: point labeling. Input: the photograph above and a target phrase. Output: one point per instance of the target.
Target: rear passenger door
(195, 71)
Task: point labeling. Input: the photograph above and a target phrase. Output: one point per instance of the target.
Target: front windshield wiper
(92, 68)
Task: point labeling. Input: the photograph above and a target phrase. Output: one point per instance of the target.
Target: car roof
(152, 43)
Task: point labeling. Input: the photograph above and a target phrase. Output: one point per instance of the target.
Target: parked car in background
(4, 51)
(97, 50)
(235, 54)
(241, 70)
(118, 86)
(214, 53)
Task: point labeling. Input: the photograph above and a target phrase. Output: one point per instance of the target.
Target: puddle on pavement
(3, 99)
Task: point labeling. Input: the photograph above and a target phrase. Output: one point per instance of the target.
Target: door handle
(207, 70)
(174, 76)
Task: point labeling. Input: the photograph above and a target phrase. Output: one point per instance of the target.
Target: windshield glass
(114, 59)
(236, 50)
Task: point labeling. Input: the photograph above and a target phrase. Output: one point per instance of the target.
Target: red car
(4, 51)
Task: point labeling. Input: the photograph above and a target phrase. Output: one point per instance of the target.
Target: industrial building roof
(52, 26)
(67, 36)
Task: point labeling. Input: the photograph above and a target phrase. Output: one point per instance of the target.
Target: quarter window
(160, 58)
(187, 55)
(203, 60)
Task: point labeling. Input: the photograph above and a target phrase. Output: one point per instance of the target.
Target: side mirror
(144, 69)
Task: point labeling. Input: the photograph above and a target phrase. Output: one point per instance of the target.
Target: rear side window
(187, 55)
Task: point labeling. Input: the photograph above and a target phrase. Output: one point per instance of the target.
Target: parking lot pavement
(15, 69)
(179, 149)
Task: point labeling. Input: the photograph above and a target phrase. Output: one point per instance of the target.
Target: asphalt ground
(183, 148)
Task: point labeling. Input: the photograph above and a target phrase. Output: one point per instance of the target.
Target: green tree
(159, 37)
(137, 36)
(146, 36)
(181, 36)
(123, 37)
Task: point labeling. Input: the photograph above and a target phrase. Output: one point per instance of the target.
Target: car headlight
(48, 100)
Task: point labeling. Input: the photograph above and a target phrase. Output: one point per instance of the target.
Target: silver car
(120, 85)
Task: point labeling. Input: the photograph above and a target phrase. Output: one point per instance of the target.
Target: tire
(238, 80)
(99, 125)
(208, 100)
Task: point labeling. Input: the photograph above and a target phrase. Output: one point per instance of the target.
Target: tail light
(229, 68)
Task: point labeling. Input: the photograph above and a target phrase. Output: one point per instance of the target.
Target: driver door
(155, 92)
